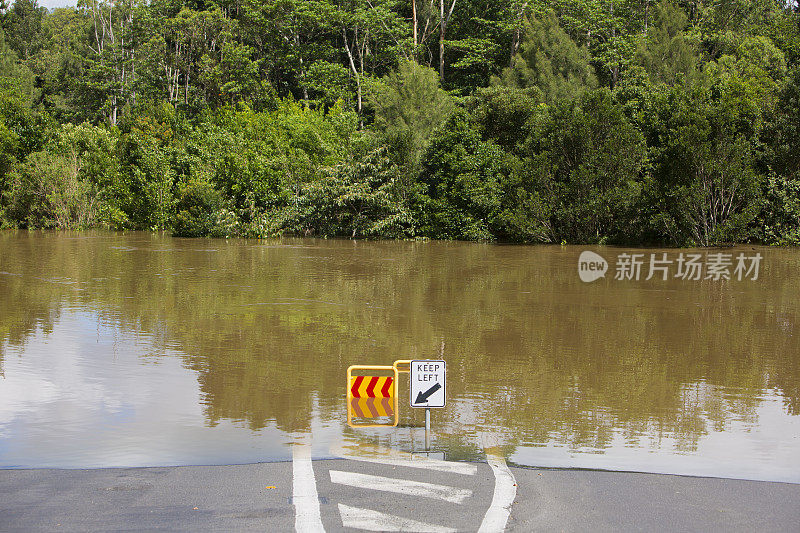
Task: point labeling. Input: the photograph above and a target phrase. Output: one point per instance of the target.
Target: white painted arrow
(370, 520)
(401, 486)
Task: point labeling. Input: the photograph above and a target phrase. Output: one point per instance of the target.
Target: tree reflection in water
(270, 328)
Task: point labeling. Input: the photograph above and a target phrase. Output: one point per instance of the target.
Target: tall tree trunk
(133, 78)
(414, 16)
(353, 68)
(441, 39)
(615, 68)
(444, 20)
(515, 42)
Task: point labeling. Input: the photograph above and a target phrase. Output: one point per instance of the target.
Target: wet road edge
(259, 497)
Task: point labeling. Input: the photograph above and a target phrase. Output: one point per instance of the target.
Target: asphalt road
(386, 493)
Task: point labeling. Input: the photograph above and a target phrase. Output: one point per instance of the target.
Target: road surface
(386, 490)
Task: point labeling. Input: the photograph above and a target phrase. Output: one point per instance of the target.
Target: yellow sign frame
(395, 396)
(405, 362)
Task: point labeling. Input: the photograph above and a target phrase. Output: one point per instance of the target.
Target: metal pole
(427, 429)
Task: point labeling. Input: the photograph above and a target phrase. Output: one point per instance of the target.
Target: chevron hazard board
(372, 396)
(372, 387)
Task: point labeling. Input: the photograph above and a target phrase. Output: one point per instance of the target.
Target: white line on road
(305, 497)
(397, 458)
(401, 486)
(505, 490)
(369, 520)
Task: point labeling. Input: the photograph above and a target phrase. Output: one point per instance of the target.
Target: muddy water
(140, 349)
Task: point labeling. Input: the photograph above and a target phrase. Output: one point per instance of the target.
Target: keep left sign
(428, 383)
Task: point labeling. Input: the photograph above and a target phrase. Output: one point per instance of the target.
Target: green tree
(290, 36)
(783, 130)
(22, 131)
(58, 186)
(261, 162)
(705, 187)
(12, 72)
(781, 215)
(550, 60)
(586, 159)
(369, 29)
(109, 73)
(609, 29)
(23, 25)
(506, 115)
(58, 67)
(360, 197)
(152, 164)
(330, 83)
(668, 55)
(409, 105)
(464, 176)
(476, 185)
(483, 37)
(723, 25)
(201, 99)
(202, 211)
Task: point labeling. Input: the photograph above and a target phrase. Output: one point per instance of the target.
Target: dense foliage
(588, 121)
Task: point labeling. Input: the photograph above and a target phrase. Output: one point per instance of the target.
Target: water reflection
(87, 394)
(239, 346)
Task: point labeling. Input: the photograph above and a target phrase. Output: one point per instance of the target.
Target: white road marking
(398, 458)
(505, 490)
(401, 486)
(305, 497)
(369, 520)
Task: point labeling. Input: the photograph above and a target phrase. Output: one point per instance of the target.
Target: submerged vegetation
(588, 121)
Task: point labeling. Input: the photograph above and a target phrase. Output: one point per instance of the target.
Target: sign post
(428, 389)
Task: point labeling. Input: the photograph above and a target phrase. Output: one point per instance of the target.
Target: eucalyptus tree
(109, 75)
(610, 29)
(483, 38)
(373, 37)
(289, 36)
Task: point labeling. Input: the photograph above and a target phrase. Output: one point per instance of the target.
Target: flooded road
(139, 349)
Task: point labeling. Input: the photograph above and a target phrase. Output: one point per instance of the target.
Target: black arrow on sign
(422, 397)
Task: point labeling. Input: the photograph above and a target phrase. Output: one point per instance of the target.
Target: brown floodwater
(123, 349)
